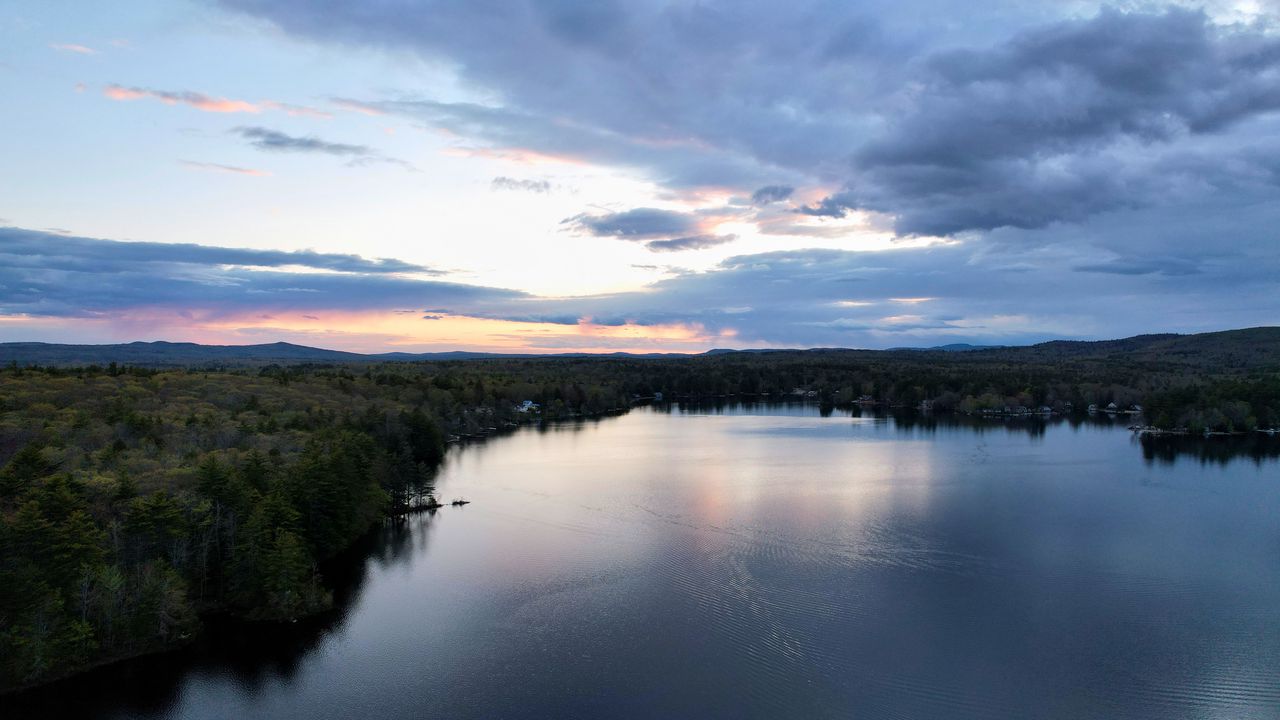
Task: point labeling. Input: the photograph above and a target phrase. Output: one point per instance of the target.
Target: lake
(769, 561)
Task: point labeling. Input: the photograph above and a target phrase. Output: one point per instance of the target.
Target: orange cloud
(116, 92)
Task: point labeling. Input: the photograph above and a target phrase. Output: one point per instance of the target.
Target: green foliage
(23, 469)
(1221, 405)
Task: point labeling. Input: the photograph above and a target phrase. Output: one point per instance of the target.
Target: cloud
(690, 242)
(207, 103)
(297, 110)
(276, 141)
(534, 186)
(833, 206)
(1140, 266)
(814, 297)
(659, 230)
(803, 298)
(73, 48)
(218, 167)
(356, 106)
(635, 224)
(199, 101)
(1070, 120)
(79, 253)
(503, 132)
(270, 140)
(54, 276)
(771, 194)
(1096, 171)
(1023, 116)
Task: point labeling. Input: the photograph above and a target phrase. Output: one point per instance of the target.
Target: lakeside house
(528, 406)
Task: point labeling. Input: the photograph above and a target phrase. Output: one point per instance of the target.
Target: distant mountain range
(180, 354)
(1247, 348)
(953, 347)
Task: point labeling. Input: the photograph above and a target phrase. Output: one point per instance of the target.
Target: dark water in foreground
(768, 562)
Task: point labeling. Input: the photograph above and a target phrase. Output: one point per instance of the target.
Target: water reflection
(252, 656)
(1221, 450)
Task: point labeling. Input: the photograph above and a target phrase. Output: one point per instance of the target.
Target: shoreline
(219, 614)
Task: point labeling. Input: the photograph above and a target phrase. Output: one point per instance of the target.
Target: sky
(667, 176)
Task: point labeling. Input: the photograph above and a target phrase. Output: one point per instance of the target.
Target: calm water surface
(770, 562)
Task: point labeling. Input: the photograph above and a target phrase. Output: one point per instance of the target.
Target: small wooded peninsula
(143, 486)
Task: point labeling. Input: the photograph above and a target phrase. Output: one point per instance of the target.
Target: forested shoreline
(132, 499)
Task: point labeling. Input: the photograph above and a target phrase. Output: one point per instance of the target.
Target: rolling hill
(1243, 349)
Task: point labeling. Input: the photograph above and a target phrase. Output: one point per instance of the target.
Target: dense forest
(132, 500)
(135, 499)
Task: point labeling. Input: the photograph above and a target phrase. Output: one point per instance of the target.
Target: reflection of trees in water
(720, 406)
(1165, 449)
(1168, 449)
(918, 423)
(254, 654)
(573, 425)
